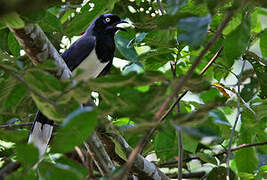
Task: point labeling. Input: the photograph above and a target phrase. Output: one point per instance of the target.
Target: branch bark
(38, 47)
(144, 169)
(9, 168)
(98, 153)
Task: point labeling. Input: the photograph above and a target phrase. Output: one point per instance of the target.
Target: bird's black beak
(118, 25)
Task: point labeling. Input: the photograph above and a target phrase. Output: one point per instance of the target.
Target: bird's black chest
(105, 47)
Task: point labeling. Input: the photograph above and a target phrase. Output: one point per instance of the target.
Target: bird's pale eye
(107, 19)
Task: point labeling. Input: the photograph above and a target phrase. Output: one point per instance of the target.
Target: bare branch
(98, 153)
(144, 169)
(180, 155)
(21, 125)
(160, 7)
(38, 47)
(235, 123)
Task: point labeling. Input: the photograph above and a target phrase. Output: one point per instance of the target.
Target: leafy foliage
(159, 49)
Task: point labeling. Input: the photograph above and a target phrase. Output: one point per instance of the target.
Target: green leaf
(75, 129)
(123, 121)
(219, 173)
(13, 20)
(246, 158)
(29, 175)
(263, 171)
(175, 5)
(58, 171)
(207, 158)
(156, 58)
(189, 144)
(13, 45)
(164, 144)
(11, 94)
(34, 17)
(239, 39)
(14, 136)
(15, 96)
(127, 51)
(133, 67)
(27, 154)
(4, 39)
(81, 21)
(50, 23)
(43, 82)
(210, 95)
(263, 43)
(194, 30)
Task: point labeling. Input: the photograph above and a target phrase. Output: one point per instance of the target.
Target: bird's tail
(41, 132)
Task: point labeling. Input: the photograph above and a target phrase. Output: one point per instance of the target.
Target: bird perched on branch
(93, 52)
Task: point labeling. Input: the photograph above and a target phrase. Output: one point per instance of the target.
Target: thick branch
(37, 46)
(144, 169)
(98, 153)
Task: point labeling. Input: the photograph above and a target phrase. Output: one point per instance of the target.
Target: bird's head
(108, 23)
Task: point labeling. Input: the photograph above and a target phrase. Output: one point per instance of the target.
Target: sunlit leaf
(75, 129)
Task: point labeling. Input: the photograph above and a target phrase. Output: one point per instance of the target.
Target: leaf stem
(235, 123)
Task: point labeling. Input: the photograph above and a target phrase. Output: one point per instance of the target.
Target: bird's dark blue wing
(78, 51)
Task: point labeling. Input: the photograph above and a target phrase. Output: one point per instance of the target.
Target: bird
(92, 53)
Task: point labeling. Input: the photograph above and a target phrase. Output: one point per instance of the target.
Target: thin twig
(21, 125)
(235, 123)
(178, 86)
(180, 152)
(242, 146)
(15, 76)
(217, 54)
(160, 7)
(16, 125)
(151, 132)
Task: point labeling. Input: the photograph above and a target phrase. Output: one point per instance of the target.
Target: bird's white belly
(91, 67)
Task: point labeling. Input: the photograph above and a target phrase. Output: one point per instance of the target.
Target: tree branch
(170, 163)
(38, 47)
(21, 125)
(144, 169)
(235, 123)
(160, 7)
(9, 168)
(178, 86)
(98, 153)
(163, 117)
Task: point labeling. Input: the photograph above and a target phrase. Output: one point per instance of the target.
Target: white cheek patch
(91, 67)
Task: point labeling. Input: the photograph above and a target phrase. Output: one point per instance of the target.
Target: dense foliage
(164, 40)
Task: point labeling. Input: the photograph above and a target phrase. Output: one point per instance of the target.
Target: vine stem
(235, 123)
